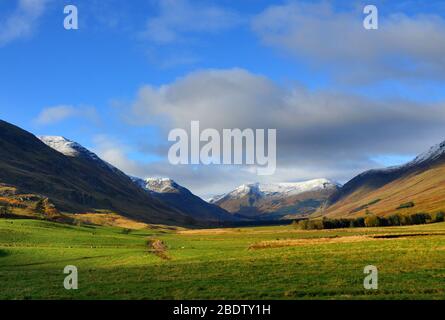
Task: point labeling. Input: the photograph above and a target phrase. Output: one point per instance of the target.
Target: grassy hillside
(247, 263)
(424, 191)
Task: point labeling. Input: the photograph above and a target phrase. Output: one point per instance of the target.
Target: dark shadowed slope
(75, 183)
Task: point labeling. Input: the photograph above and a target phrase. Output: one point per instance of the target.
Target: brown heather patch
(208, 231)
(298, 242)
(251, 230)
(109, 219)
(328, 240)
(10, 201)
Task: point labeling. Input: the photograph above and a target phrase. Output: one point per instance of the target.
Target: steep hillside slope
(74, 183)
(418, 186)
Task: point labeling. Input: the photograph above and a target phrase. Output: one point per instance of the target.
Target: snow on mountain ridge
(160, 185)
(432, 154)
(73, 149)
(67, 147)
(277, 189)
(292, 188)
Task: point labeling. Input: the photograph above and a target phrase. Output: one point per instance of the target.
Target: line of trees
(371, 221)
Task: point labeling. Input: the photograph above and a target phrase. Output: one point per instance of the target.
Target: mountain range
(164, 190)
(277, 200)
(75, 180)
(179, 197)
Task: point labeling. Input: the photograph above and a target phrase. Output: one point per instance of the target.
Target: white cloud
(52, 115)
(319, 133)
(180, 17)
(115, 153)
(22, 21)
(204, 181)
(404, 47)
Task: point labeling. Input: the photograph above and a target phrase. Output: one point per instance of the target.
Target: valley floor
(248, 263)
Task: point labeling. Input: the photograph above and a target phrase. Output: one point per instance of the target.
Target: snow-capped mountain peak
(292, 188)
(432, 154)
(67, 147)
(159, 185)
(73, 149)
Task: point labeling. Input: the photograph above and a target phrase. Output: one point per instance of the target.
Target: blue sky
(86, 84)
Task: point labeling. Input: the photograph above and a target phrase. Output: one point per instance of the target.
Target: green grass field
(220, 264)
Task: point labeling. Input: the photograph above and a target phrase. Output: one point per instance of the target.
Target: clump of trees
(371, 221)
(5, 209)
(46, 208)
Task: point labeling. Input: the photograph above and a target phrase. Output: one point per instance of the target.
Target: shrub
(357, 223)
(365, 206)
(315, 224)
(126, 231)
(5, 210)
(420, 218)
(40, 207)
(374, 202)
(405, 220)
(384, 222)
(303, 224)
(439, 217)
(406, 205)
(395, 220)
(310, 224)
(372, 221)
(336, 223)
(360, 208)
(46, 208)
